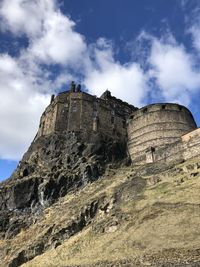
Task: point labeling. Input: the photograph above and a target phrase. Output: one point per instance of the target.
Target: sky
(143, 51)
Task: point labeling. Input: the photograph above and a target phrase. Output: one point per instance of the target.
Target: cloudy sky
(143, 51)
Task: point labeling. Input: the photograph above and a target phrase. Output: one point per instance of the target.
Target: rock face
(128, 216)
(53, 166)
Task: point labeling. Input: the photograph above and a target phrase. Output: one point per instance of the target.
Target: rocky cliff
(77, 203)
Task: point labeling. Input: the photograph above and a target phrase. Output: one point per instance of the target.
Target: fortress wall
(47, 121)
(75, 111)
(191, 144)
(92, 108)
(156, 126)
(156, 143)
(104, 116)
(62, 102)
(187, 147)
(105, 112)
(62, 97)
(168, 153)
(61, 123)
(87, 112)
(157, 137)
(113, 114)
(50, 119)
(79, 111)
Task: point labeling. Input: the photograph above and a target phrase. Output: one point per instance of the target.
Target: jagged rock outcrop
(53, 166)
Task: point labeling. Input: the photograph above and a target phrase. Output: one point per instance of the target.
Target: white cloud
(52, 39)
(194, 30)
(126, 82)
(59, 43)
(174, 70)
(24, 16)
(20, 109)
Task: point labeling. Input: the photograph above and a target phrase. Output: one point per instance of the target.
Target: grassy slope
(138, 222)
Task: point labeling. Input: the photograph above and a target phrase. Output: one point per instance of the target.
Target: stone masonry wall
(157, 126)
(187, 147)
(191, 144)
(48, 121)
(79, 111)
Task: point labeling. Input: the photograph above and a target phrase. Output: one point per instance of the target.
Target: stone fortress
(158, 132)
(76, 111)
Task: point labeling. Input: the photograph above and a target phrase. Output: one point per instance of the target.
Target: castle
(77, 111)
(157, 132)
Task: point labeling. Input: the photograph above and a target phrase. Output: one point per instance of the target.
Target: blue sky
(143, 51)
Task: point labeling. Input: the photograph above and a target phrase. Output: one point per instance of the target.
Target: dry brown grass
(163, 216)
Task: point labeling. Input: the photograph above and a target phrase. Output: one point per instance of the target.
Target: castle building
(76, 111)
(157, 132)
(158, 127)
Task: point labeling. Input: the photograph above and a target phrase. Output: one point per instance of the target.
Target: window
(95, 124)
(150, 155)
(112, 119)
(95, 113)
(163, 106)
(124, 124)
(145, 110)
(74, 106)
(95, 105)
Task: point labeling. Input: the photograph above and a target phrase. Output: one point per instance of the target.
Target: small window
(43, 127)
(95, 113)
(180, 108)
(150, 155)
(95, 105)
(163, 106)
(25, 172)
(74, 106)
(145, 110)
(95, 124)
(124, 124)
(112, 112)
(112, 120)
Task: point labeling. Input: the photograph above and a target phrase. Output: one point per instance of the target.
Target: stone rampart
(191, 144)
(156, 126)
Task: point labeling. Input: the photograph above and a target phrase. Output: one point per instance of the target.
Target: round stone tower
(157, 125)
